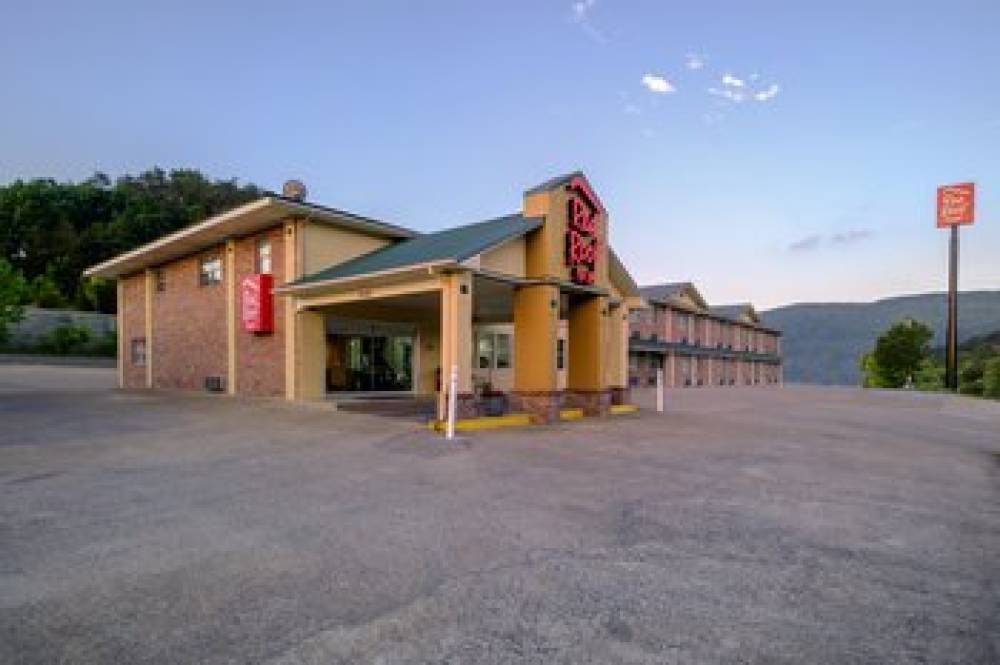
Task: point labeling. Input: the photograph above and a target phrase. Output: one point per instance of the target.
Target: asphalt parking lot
(795, 525)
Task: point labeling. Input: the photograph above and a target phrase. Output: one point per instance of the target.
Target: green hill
(822, 341)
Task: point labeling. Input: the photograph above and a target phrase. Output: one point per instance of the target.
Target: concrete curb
(58, 361)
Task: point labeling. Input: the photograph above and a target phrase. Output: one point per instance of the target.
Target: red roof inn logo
(258, 303)
(581, 231)
(956, 204)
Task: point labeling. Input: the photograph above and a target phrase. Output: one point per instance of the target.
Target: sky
(771, 152)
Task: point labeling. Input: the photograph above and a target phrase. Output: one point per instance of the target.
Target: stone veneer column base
(542, 405)
(466, 406)
(593, 402)
(621, 395)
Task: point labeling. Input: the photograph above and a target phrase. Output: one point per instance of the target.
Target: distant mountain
(822, 341)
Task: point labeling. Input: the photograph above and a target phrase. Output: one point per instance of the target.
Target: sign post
(452, 399)
(659, 390)
(956, 206)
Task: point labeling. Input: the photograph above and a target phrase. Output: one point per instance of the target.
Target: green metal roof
(457, 244)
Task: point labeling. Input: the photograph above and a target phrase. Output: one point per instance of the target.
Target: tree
(870, 375)
(12, 291)
(51, 231)
(43, 291)
(98, 294)
(899, 354)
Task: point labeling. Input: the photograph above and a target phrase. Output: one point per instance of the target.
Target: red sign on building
(257, 303)
(583, 215)
(956, 204)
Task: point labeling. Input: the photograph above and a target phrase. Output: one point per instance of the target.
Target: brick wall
(132, 325)
(189, 326)
(190, 334)
(260, 358)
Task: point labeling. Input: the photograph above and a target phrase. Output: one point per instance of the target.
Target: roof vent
(294, 189)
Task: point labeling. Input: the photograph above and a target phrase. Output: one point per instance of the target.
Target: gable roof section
(666, 291)
(243, 220)
(737, 312)
(448, 246)
(662, 291)
(620, 277)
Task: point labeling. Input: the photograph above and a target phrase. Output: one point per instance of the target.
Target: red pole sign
(956, 204)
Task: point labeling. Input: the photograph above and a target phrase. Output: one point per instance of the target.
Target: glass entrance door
(380, 360)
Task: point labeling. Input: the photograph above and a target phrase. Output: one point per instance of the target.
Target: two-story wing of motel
(700, 345)
(285, 298)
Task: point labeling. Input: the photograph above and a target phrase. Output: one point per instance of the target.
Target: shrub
(12, 293)
(67, 339)
(991, 378)
(930, 376)
(970, 376)
(107, 345)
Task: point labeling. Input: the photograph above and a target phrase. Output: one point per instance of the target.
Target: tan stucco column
(310, 355)
(120, 330)
(616, 342)
(231, 297)
(290, 319)
(536, 329)
(427, 357)
(456, 340)
(149, 289)
(586, 386)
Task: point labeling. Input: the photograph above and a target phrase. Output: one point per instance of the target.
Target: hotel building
(699, 345)
(285, 298)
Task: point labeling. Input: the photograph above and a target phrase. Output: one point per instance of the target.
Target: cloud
(851, 237)
(732, 81)
(657, 84)
(693, 61)
(736, 96)
(769, 93)
(581, 8)
(806, 244)
(581, 16)
(817, 241)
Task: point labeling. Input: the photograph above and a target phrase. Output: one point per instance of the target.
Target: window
(502, 351)
(264, 256)
(560, 354)
(138, 351)
(210, 271)
(161, 280)
(493, 351)
(484, 351)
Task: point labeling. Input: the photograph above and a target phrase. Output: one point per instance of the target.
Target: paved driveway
(745, 525)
